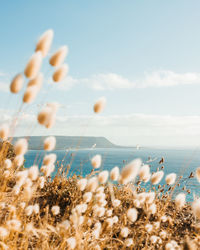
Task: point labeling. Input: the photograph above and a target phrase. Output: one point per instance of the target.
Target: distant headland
(72, 142)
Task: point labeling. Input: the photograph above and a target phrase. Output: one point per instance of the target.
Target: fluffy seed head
(114, 174)
(13, 225)
(16, 189)
(170, 178)
(49, 159)
(43, 116)
(4, 131)
(29, 210)
(147, 178)
(172, 245)
(163, 234)
(21, 146)
(41, 181)
(33, 173)
(81, 184)
(81, 208)
(100, 190)
(3, 232)
(29, 228)
(144, 172)
(22, 205)
(198, 174)
(169, 246)
(99, 105)
(116, 203)
(148, 228)
(141, 197)
(115, 219)
(87, 197)
(99, 211)
(102, 203)
(130, 171)
(180, 200)
(21, 176)
(51, 121)
(30, 94)
(152, 209)
(7, 163)
(12, 209)
(100, 196)
(96, 161)
(150, 197)
(97, 247)
(2, 205)
(44, 42)
(27, 193)
(53, 106)
(16, 84)
(164, 218)
(65, 225)
(59, 56)
(46, 117)
(71, 242)
(157, 177)
(109, 212)
(92, 184)
(60, 73)
(36, 82)
(156, 225)
(103, 176)
(89, 222)
(49, 143)
(137, 203)
(109, 222)
(19, 160)
(28, 183)
(36, 208)
(128, 242)
(33, 66)
(6, 173)
(124, 232)
(55, 210)
(96, 233)
(196, 208)
(47, 170)
(153, 239)
(132, 214)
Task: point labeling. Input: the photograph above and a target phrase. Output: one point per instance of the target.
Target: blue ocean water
(179, 161)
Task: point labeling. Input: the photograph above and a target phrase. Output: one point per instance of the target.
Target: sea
(182, 161)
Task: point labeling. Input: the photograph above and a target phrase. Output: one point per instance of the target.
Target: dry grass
(48, 232)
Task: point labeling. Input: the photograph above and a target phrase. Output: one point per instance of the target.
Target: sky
(143, 56)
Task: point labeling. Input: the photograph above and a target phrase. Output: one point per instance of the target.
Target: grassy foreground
(58, 215)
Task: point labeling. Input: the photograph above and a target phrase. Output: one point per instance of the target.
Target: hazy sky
(143, 56)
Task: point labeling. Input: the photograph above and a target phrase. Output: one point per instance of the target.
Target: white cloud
(112, 81)
(68, 83)
(131, 129)
(168, 78)
(127, 129)
(138, 124)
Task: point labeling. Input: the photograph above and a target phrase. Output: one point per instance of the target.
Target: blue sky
(144, 56)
